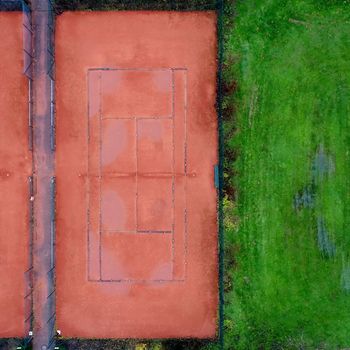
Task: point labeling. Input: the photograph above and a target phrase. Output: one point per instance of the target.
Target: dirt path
(44, 295)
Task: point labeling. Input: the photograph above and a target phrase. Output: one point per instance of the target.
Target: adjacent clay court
(136, 150)
(15, 168)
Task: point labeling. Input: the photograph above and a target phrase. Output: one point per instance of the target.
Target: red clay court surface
(136, 149)
(15, 160)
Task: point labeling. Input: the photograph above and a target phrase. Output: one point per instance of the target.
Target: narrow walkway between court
(43, 172)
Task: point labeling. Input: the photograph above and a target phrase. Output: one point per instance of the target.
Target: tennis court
(136, 136)
(15, 170)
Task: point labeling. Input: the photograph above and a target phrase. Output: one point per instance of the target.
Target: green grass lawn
(288, 126)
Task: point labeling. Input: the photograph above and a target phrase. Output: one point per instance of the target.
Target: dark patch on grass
(325, 244)
(305, 198)
(323, 165)
(345, 279)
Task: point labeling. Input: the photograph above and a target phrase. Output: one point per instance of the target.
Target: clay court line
(136, 69)
(185, 169)
(100, 173)
(138, 231)
(173, 179)
(137, 118)
(87, 184)
(152, 175)
(141, 281)
(136, 174)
